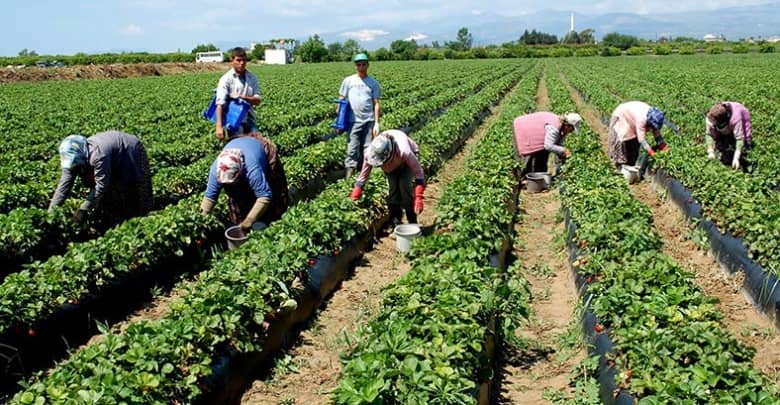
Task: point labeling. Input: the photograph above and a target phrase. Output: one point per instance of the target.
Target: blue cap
(655, 118)
(73, 151)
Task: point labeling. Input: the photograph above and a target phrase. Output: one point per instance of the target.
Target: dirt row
(680, 243)
(112, 71)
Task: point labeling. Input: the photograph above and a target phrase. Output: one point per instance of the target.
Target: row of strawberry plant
(434, 337)
(732, 200)
(225, 307)
(32, 234)
(646, 302)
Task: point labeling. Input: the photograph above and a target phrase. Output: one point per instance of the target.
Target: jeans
(358, 139)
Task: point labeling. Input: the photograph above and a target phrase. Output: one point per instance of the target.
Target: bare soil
(547, 362)
(112, 71)
(310, 370)
(749, 326)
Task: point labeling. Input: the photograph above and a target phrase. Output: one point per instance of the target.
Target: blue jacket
(252, 182)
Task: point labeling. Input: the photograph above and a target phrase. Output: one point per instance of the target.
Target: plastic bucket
(537, 181)
(630, 173)
(404, 235)
(344, 118)
(235, 237)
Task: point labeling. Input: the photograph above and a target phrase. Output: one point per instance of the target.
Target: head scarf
(73, 151)
(655, 118)
(229, 164)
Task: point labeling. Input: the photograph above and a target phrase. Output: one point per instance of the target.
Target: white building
(277, 57)
(713, 38)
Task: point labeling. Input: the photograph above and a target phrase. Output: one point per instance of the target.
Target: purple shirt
(740, 125)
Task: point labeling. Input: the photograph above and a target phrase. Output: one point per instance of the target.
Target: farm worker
(397, 154)
(237, 83)
(363, 93)
(537, 134)
(115, 167)
(276, 177)
(627, 128)
(241, 169)
(730, 131)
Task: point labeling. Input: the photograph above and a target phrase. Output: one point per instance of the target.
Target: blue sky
(67, 27)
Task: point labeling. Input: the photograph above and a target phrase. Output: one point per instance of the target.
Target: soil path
(750, 327)
(112, 71)
(310, 371)
(554, 342)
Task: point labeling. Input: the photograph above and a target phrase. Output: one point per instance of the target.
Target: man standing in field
(237, 83)
(539, 133)
(627, 129)
(115, 167)
(730, 132)
(363, 93)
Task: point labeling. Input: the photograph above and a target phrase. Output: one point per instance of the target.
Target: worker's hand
(651, 152)
(220, 132)
(206, 205)
(735, 161)
(339, 131)
(246, 227)
(235, 95)
(663, 146)
(375, 130)
(710, 154)
(418, 199)
(79, 216)
(356, 192)
(566, 153)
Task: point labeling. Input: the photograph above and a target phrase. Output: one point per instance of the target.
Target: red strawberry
(598, 328)
(589, 279)
(31, 332)
(312, 262)
(336, 252)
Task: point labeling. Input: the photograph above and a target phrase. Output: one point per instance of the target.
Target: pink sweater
(405, 153)
(632, 122)
(530, 131)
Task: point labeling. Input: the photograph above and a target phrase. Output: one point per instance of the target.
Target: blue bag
(345, 118)
(233, 112)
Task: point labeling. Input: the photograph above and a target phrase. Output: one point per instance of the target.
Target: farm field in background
(54, 270)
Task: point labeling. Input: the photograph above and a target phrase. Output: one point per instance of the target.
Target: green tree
(537, 38)
(586, 36)
(351, 48)
(313, 50)
(382, 54)
(336, 52)
(463, 40)
(204, 48)
(403, 50)
(620, 41)
(572, 37)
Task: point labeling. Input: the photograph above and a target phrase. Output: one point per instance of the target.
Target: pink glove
(418, 199)
(650, 152)
(356, 192)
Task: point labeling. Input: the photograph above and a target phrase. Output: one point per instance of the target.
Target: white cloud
(416, 36)
(132, 29)
(364, 35)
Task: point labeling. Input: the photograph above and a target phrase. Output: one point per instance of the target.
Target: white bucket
(235, 237)
(630, 173)
(404, 234)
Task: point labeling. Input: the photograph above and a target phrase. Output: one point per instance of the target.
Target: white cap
(574, 120)
(379, 150)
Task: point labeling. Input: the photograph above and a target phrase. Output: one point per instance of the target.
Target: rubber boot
(395, 215)
(411, 217)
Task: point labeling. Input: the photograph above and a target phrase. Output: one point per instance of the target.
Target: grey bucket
(537, 182)
(630, 173)
(235, 237)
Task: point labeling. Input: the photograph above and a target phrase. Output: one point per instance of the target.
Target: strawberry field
(441, 331)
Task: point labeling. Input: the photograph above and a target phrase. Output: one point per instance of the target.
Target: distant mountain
(733, 23)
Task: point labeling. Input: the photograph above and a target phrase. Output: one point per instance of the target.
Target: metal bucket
(630, 173)
(404, 235)
(235, 237)
(537, 182)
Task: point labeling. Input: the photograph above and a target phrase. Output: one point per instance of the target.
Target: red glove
(650, 152)
(418, 199)
(663, 146)
(356, 192)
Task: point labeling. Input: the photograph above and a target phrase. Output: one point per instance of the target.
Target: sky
(93, 26)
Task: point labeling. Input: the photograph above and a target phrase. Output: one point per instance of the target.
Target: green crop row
(670, 345)
(435, 337)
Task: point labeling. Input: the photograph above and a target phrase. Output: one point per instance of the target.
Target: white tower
(572, 22)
